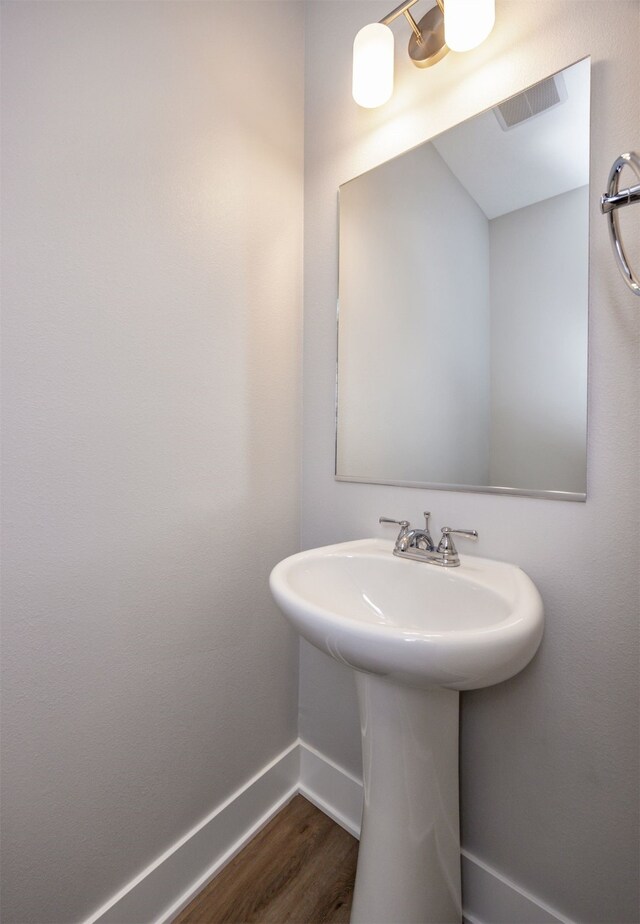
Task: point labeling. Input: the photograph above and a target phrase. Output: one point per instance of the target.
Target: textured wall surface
(152, 282)
(549, 759)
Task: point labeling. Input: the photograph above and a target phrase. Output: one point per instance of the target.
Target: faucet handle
(471, 533)
(404, 529)
(446, 543)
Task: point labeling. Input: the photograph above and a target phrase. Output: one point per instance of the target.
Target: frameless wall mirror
(463, 285)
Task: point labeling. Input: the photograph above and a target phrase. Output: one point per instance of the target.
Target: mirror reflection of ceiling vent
(546, 94)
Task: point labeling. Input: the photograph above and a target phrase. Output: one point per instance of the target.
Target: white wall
(549, 759)
(398, 343)
(152, 283)
(539, 289)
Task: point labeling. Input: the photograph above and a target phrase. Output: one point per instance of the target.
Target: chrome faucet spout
(407, 540)
(417, 538)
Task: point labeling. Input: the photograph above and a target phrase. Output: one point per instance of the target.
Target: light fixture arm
(399, 11)
(427, 45)
(414, 25)
(403, 10)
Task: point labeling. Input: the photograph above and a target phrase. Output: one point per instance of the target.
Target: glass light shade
(467, 23)
(373, 65)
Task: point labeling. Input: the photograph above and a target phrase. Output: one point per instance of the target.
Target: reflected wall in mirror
(463, 286)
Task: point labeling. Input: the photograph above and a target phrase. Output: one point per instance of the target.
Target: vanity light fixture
(459, 25)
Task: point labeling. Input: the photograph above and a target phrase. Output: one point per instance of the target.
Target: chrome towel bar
(614, 199)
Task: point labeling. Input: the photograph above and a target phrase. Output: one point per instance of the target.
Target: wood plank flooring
(299, 869)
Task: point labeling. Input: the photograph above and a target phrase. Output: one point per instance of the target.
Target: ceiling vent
(545, 95)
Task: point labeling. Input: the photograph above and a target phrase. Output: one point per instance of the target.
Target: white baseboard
(160, 892)
(489, 897)
(331, 788)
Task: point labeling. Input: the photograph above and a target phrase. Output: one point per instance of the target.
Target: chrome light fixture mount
(426, 45)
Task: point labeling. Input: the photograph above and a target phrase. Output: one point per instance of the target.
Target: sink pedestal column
(409, 858)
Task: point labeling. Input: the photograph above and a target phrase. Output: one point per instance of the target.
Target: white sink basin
(412, 622)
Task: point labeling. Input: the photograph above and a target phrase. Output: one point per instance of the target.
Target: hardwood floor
(300, 869)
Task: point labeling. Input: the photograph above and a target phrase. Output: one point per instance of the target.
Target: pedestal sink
(416, 635)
